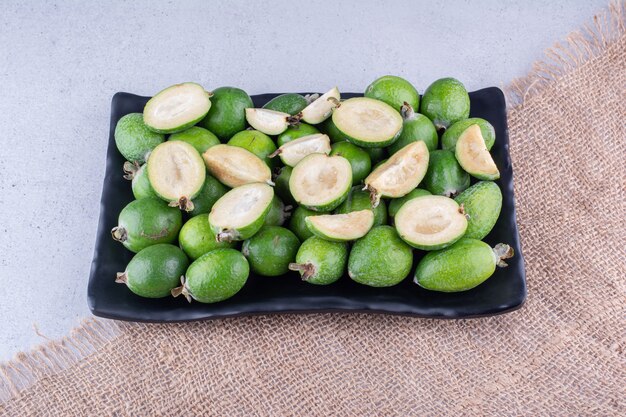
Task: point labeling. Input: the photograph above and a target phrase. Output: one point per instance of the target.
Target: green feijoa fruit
(234, 166)
(196, 237)
(146, 222)
(341, 227)
(241, 212)
(360, 200)
(396, 203)
(297, 223)
(482, 203)
(321, 182)
(414, 128)
(154, 271)
(295, 151)
(452, 134)
(445, 176)
(460, 267)
(295, 132)
(445, 102)
(321, 108)
(211, 191)
(176, 173)
(256, 142)
(320, 261)
(394, 91)
(277, 213)
(360, 160)
(291, 103)
(141, 184)
(282, 185)
(270, 122)
(227, 115)
(473, 155)
(367, 122)
(215, 276)
(198, 137)
(376, 154)
(380, 258)
(271, 250)
(430, 222)
(177, 108)
(333, 133)
(133, 138)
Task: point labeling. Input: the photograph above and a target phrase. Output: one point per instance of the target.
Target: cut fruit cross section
(341, 227)
(293, 152)
(177, 108)
(270, 122)
(473, 155)
(234, 166)
(321, 109)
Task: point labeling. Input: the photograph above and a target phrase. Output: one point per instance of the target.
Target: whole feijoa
(482, 203)
(271, 250)
(198, 137)
(452, 134)
(320, 261)
(196, 237)
(445, 176)
(295, 132)
(394, 91)
(290, 103)
(210, 192)
(358, 200)
(445, 102)
(227, 114)
(359, 159)
(256, 142)
(414, 128)
(133, 138)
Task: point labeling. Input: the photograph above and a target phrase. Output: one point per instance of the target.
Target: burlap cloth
(563, 353)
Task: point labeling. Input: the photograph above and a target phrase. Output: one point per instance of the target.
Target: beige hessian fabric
(562, 354)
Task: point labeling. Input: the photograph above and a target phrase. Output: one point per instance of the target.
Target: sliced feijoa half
(430, 222)
(321, 109)
(270, 122)
(367, 122)
(400, 174)
(176, 173)
(293, 152)
(234, 166)
(321, 182)
(177, 108)
(473, 155)
(341, 227)
(241, 212)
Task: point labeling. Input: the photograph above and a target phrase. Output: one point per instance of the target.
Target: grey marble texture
(60, 63)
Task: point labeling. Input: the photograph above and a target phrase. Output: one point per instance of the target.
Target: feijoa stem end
(130, 170)
(275, 153)
(183, 203)
(334, 100)
(306, 270)
(121, 278)
(182, 290)
(374, 195)
(294, 120)
(503, 251)
(226, 235)
(407, 111)
(119, 234)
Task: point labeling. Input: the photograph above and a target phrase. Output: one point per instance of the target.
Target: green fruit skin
(460, 267)
(396, 203)
(394, 91)
(256, 142)
(133, 138)
(480, 175)
(277, 213)
(271, 250)
(217, 275)
(227, 114)
(249, 230)
(198, 137)
(417, 127)
(482, 203)
(335, 135)
(295, 132)
(445, 102)
(149, 221)
(291, 103)
(297, 223)
(210, 192)
(156, 270)
(358, 200)
(328, 258)
(380, 258)
(281, 187)
(376, 154)
(452, 134)
(141, 184)
(360, 161)
(196, 237)
(445, 176)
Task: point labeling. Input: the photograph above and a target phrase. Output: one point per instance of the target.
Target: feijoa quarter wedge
(270, 122)
(234, 166)
(341, 227)
(177, 108)
(321, 109)
(473, 155)
(293, 152)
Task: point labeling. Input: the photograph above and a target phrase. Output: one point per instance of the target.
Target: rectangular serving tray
(505, 291)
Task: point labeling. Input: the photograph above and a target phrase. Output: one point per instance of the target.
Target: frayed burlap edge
(578, 49)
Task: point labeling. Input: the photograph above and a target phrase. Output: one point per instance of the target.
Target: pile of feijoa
(313, 184)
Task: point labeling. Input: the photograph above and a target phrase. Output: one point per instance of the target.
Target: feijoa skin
(215, 276)
(196, 237)
(460, 267)
(452, 134)
(290, 103)
(271, 250)
(154, 271)
(358, 200)
(141, 184)
(359, 159)
(415, 127)
(333, 133)
(320, 261)
(256, 142)
(281, 187)
(482, 203)
(227, 114)
(146, 222)
(277, 213)
(133, 138)
(445, 102)
(394, 91)
(445, 176)
(376, 154)
(380, 258)
(295, 132)
(396, 203)
(210, 192)
(297, 223)
(198, 137)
